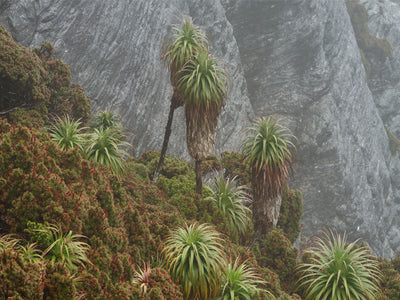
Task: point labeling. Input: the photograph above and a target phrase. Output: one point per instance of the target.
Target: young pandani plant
(239, 281)
(67, 133)
(31, 253)
(67, 248)
(229, 198)
(339, 270)
(194, 257)
(142, 277)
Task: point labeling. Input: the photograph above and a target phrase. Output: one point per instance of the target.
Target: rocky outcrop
(302, 62)
(384, 83)
(297, 59)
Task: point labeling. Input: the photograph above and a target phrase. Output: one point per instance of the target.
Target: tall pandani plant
(204, 86)
(269, 150)
(183, 45)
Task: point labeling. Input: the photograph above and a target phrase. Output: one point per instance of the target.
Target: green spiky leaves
(67, 133)
(203, 82)
(67, 248)
(103, 145)
(193, 255)
(187, 42)
(240, 282)
(339, 271)
(229, 199)
(269, 150)
(104, 148)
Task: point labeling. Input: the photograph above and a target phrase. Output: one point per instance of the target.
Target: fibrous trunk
(266, 206)
(200, 136)
(200, 132)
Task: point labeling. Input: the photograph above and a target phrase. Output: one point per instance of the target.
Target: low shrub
(290, 214)
(211, 164)
(177, 185)
(34, 81)
(173, 166)
(235, 164)
(20, 279)
(390, 281)
(275, 251)
(162, 287)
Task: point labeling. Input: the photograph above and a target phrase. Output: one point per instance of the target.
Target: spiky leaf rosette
(104, 147)
(194, 256)
(339, 270)
(186, 43)
(106, 119)
(229, 199)
(67, 133)
(66, 248)
(269, 150)
(240, 282)
(203, 85)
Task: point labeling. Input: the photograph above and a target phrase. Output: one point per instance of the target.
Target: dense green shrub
(23, 78)
(34, 81)
(27, 118)
(285, 296)
(290, 214)
(59, 283)
(127, 216)
(20, 279)
(390, 282)
(173, 166)
(395, 262)
(162, 287)
(136, 169)
(177, 185)
(235, 165)
(275, 251)
(211, 163)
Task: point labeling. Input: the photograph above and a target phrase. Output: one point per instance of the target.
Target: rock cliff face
(298, 59)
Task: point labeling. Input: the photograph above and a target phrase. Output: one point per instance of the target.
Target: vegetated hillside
(298, 59)
(99, 235)
(124, 220)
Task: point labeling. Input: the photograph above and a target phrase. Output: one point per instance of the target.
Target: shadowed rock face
(294, 58)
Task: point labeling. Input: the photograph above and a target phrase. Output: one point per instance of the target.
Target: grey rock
(296, 59)
(302, 62)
